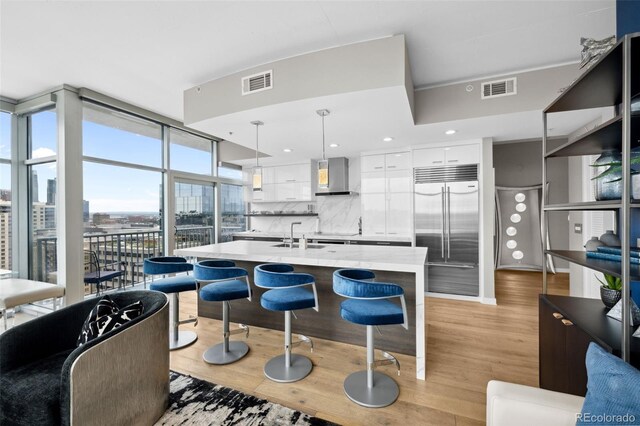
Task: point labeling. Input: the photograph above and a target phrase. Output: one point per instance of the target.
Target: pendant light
(323, 165)
(257, 170)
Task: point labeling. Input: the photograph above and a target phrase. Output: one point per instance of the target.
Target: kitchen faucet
(291, 240)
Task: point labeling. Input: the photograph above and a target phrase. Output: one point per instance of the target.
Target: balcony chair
(286, 294)
(120, 378)
(98, 274)
(222, 281)
(173, 286)
(368, 305)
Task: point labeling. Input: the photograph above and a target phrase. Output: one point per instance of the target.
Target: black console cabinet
(567, 326)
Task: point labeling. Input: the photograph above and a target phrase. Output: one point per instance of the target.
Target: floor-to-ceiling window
(122, 185)
(232, 205)
(41, 187)
(5, 194)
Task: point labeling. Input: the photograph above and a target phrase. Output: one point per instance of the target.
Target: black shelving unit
(278, 214)
(610, 82)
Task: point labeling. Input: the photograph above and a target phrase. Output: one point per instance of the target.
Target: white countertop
(328, 236)
(382, 258)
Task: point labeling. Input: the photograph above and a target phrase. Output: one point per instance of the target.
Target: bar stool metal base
(185, 338)
(384, 391)
(277, 370)
(216, 354)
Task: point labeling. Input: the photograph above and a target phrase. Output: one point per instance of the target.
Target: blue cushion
(275, 275)
(174, 284)
(213, 270)
(287, 299)
(613, 389)
(350, 283)
(371, 312)
(224, 290)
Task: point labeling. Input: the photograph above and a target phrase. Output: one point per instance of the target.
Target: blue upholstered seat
(176, 284)
(371, 312)
(368, 302)
(228, 282)
(226, 290)
(288, 299)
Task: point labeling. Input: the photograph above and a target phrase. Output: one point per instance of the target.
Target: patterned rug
(196, 402)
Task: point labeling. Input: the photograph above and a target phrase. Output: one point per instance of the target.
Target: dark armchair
(121, 377)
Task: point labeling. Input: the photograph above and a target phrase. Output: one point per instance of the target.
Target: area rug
(196, 402)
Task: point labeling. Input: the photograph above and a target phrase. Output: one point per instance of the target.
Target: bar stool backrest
(277, 275)
(357, 284)
(217, 270)
(166, 265)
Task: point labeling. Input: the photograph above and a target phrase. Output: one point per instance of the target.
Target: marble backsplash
(337, 215)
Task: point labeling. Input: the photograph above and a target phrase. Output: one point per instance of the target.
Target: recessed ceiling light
(450, 132)
(333, 145)
(388, 139)
(287, 150)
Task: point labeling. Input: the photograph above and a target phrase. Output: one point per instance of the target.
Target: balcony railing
(126, 249)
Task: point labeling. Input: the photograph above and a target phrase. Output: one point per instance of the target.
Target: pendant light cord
(323, 154)
(257, 161)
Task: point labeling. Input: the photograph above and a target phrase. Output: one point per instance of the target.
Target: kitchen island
(404, 266)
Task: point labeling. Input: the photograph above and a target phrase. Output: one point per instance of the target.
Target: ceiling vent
(498, 88)
(257, 82)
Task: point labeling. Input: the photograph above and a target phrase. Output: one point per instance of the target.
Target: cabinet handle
(378, 167)
(436, 162)
(380, 243)
(557, 315)
(391, 167)
(567, 322)
(291, 180)
(290, 198)
(452, 161)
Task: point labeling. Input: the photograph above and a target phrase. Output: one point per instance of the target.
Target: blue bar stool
(173, 286)
(286, 294)
(222, 281)
(368, 305)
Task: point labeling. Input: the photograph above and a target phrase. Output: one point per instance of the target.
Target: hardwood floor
(468, 344)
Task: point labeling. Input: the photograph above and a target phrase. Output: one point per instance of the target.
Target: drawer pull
(557, 315)
(378, 167)
(436, 162)
(567, 322)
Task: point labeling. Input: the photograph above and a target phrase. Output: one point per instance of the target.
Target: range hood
(338, 174)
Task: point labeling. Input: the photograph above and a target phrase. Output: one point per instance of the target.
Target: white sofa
(509, 404)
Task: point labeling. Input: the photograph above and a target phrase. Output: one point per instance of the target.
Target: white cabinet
(291, 182)
(450, 156)
(463, 154)
(398, 218)
(372, 163)
(386, 194)
(373, 214)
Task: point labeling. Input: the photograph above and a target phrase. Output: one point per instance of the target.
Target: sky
(107, 188)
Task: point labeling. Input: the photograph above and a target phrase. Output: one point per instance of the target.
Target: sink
(296, 245)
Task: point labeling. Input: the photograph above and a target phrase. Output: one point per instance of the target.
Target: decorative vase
(609, 297)
(593, 244)
(604, 188)
(610, 239)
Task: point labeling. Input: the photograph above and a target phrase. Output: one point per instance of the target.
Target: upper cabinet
(291, 182)
(386, 194)
(449, 156)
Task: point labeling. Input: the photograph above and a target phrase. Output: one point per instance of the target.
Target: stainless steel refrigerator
(447, 222)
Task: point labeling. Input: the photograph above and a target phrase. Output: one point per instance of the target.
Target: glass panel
(43, 134)
(5, 135)
(5, 219)
(194, 214)
(233, 219)
(123, 221)
(189, 153)
(42, 181)
(114, 135)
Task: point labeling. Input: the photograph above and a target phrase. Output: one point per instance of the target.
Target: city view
(122, 214)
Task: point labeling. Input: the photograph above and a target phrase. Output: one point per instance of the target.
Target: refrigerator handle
(443, 223)
(448, 222)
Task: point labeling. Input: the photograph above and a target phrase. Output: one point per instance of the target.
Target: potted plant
(611, 290)
(609, 182)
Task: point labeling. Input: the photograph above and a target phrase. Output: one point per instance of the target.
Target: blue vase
(604, 188)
